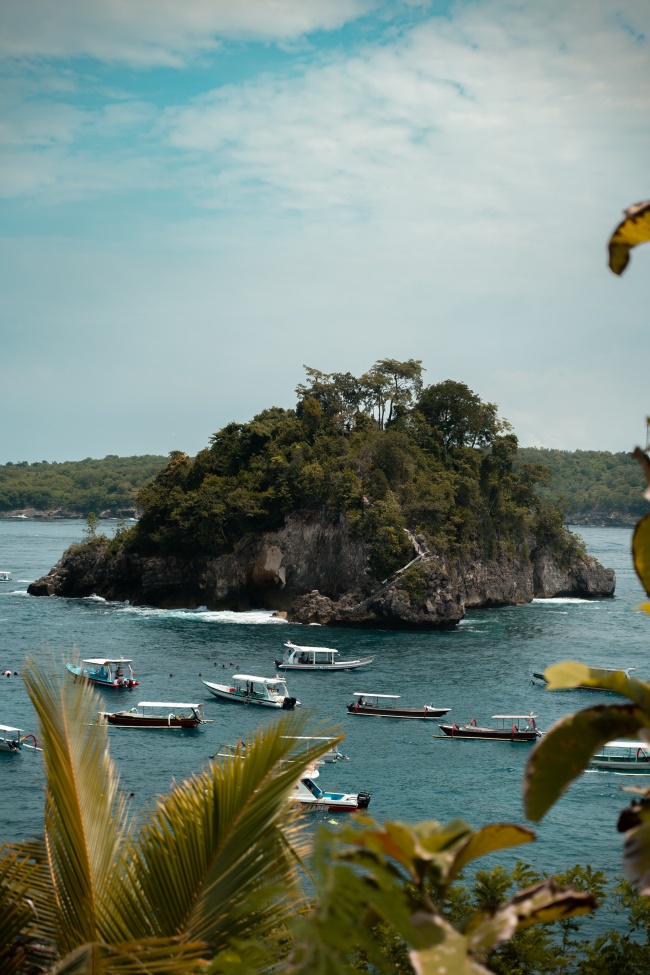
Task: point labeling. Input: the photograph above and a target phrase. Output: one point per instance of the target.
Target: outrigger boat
(307, 793)
(384, 706)
(266, 692)
(509, 727)
(605, 671)
(317, 658)
(107, 672)
(12, 740)
(158, 714)
(622, 756)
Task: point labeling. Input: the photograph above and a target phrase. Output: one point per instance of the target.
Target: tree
(92, 521)
(457, 416)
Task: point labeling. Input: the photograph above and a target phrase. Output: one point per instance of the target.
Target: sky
(198, 199)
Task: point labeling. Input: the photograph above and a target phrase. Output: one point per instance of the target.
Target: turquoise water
(482, 668)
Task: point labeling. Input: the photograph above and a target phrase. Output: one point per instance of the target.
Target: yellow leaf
(641, 551)
(632, 230)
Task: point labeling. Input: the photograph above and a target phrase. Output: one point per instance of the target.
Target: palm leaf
(217, 858)
(85, 814)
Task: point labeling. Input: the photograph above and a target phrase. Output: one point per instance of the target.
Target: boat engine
(289, 703)
(363, 800)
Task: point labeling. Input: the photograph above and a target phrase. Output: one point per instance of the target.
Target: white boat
(317, 658)
(5, 576)
(106, 672)
(307, 793)
(632, 757)
(265, 692)
(13, 740)
(158, 714)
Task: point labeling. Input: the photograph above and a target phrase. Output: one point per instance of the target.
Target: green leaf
(632, 230)
(450, 957)
(565, 750)
(496, 836)
(641, 552)
(570, 673)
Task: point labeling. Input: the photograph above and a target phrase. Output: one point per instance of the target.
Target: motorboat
(307, 793)
(5, 576)
(605, 671)
(106, 671)
(266, 692)
(12, 740)
(317, 658)
(158, 714)
(385, 706)
(508, 727)
(630, 757)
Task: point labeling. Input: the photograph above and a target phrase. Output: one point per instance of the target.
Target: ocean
(483, 667)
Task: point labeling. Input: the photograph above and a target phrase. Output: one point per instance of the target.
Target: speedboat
(266, 692)
(5, 576)
(317, 658)
(385, 706)
(107, 672)
(509, 727)
(605, 671)
(158, 714)
(622, 756)
(12, 740)
(307, 793)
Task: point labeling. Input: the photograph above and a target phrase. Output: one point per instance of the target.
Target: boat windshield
(313, 788)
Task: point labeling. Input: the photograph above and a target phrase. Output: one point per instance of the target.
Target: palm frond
(165, 956)
(85, 813)
(217, 859)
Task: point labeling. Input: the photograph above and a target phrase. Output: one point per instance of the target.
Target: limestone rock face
(315, 570)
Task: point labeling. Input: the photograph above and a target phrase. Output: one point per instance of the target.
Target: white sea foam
(250, 617)
(561, 600)
(95, 599)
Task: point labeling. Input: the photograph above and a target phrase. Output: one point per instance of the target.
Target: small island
(377, 501)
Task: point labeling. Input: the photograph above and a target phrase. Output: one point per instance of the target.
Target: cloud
(146, 33)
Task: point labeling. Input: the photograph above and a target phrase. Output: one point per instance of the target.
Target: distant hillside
(594, 487)
(76, 487)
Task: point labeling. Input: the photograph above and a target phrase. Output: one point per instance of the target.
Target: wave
(252, 617)
(95, 599)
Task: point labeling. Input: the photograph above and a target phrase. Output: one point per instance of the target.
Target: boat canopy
(259, 680)
(103, 661)
(513, 717)
(6, 727)
(626, 744)
(392, 697)
(166, 704)
(294, 646)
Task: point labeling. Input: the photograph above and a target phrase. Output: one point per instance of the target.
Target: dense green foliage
(76, 486)
(382, 450)
(591, 485)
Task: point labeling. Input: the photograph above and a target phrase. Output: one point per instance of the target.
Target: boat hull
(127, 720)
(226, 694)
(341, 665)
(425, 713)
(630, 767)
(488, 734)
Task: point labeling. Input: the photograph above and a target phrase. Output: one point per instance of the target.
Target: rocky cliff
(316, 571)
